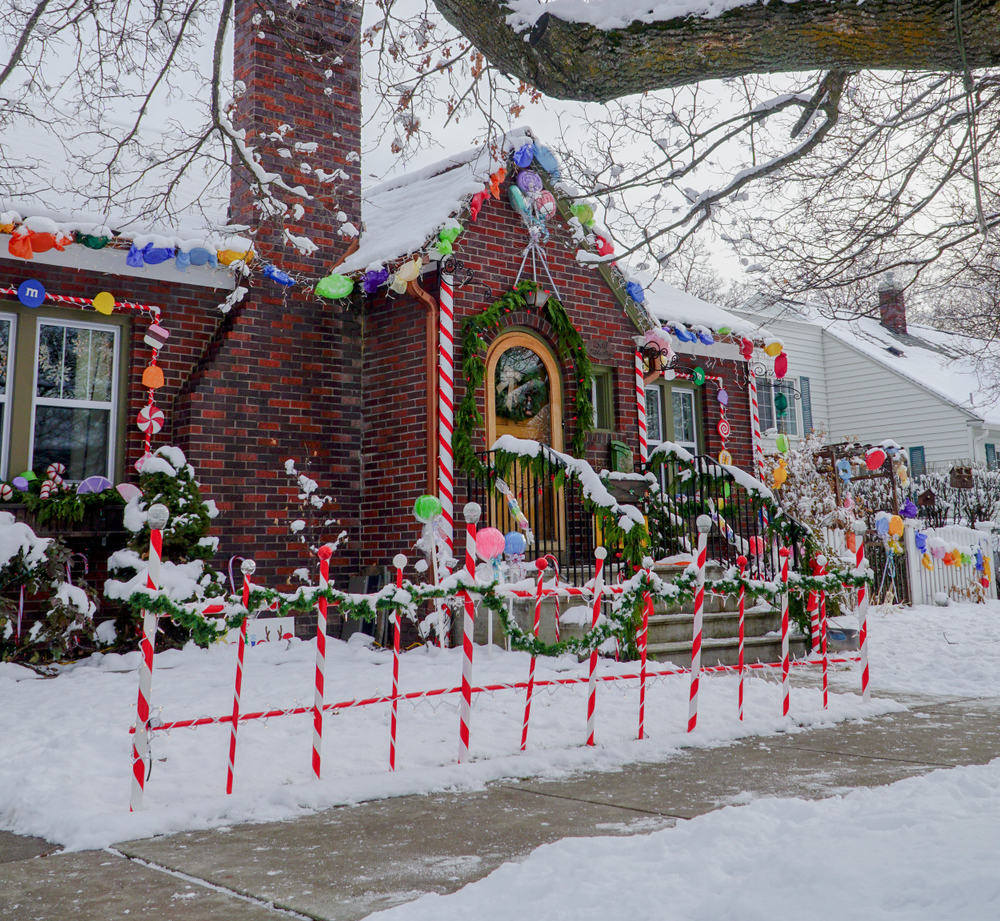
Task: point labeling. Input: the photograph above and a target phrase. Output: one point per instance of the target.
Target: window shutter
(991, 456)
(807, 408)
(918, 466)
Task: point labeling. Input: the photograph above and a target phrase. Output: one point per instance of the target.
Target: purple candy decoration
(529, 182)
(706, 337)
(134, 257)
(374, 279)
(722, 397)
(524, 155)
(20, 484)
(93, 484)
(909, 510)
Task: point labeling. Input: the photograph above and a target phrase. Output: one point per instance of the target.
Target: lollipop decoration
(150, 419)
(515, 510)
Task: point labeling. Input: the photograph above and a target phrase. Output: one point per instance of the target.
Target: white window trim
(82, 404)
(5, 396)
(793, 412)
(659, 408)
(687, 445)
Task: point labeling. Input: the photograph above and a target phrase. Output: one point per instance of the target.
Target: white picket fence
(955, 582)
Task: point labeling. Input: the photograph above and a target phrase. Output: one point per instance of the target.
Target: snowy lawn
(65, 762)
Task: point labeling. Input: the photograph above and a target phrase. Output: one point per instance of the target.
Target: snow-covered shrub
(958, 505)
(185, 574)
(311, 522)
(39, 566)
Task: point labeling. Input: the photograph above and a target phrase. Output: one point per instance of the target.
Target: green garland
(468, 419)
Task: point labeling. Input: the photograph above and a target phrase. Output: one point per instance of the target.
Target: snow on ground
(922, 848)
(67, 776)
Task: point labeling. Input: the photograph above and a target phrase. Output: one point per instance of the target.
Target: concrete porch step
(725, 651)
(673, 628)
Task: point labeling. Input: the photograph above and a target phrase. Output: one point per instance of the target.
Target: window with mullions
(769, 404)
(672, 415)
(75, 392)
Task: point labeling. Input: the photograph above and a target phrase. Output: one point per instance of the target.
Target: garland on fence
(468, 419)
(619, 623)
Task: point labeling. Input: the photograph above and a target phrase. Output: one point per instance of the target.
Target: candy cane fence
(596, 592)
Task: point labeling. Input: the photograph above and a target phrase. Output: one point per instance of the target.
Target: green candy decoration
(90, 240)
(426, 508)
(335, 287)
(450, 234)
(781, 443)
(723, 330)
(445, 248)
(583, 213)
(698, 376)
(780, 404)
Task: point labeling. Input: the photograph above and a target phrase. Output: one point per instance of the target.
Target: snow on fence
(958, 581)
(467, 586)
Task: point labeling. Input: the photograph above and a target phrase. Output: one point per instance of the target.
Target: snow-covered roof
(669, 304)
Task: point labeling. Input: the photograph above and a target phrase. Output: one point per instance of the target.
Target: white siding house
(860, 379)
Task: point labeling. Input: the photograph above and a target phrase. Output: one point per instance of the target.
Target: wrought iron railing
(563, 527)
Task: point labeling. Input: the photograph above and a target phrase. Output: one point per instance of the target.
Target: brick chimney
(301, 110)
(890, 304)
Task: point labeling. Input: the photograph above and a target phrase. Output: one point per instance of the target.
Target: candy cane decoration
(541, 565)
(758, 447)
(472, 511)
(555, 567)
(325, 552)
(156, 517)
(446, 406)
(399, 561)
(647, 609)
(704, 526)
(862, 569)
(600, 554)
(151, 309)
(741, 561)
(822, 627)
(248, 567)
(784, 553)
(640, 399)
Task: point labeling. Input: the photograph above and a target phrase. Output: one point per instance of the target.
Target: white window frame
(111, 406)
(5, 396)
(687, 445)
(660, 421)
(767, 393)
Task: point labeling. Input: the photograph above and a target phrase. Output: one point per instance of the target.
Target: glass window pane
(4, 354)
(51, 372)
(75, 364)
(684, 431)
(765, 403)
(78, 438)
(654, 427)
(787, 423)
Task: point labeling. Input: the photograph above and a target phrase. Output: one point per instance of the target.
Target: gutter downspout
(431, 305)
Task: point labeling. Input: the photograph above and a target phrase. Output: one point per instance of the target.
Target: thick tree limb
(577, 61)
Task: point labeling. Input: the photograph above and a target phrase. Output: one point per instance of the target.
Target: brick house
(352, 384)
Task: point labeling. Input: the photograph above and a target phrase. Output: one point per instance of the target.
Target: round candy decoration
(517, 200)
(104, 303)
(781, 443)
(773, 349)
(426, 508)
(152, 377)
(529, 182)
(698, 376)
(31, 293)
(724, 429)
(490, 544)
(545, 205)
(335, 286)
(875, 458)
(725, 457)
(514, 543)
(150, 419)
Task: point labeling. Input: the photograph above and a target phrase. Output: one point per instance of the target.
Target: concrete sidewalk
(346, 863)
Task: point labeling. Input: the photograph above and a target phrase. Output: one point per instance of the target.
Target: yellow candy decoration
(896, 526)
(780, 474)
(104, 303)
(773, 349)
(926, 562)
(409, 271)
(229, 256)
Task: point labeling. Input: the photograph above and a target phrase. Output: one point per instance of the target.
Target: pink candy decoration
(490, 544)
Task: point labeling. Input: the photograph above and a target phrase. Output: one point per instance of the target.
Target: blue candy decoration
(182, 261)
(201, 256)
(31, 293)
(920, 539)
(134, 257)
(154, 255)
(514, 543)
(706, 337)
(275, 274)
(547, 161)
(524, 155)
(635, 291)
(882, 525)
(684, 334)
(844, 469)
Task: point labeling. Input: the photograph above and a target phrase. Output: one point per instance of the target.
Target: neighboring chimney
(890, 304)
(301, 111)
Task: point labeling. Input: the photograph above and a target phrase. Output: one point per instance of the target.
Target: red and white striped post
(156, 517)
(472, 511)
(640, 399)
(812, 607)
(325, 552)
(399, 561)
(647, 609)
(755, 436)
(541, 566)
(555, 569)
(704, 526)
(446, 406)
(862, 569)
(784, 553)
(247, 567)
(741, 561)
(821, 562)
(601, 555)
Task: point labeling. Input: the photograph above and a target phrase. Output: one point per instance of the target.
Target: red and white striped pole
(325, 552)
(555, 569)
(741, 561)
(812, 607)
(704, 526)
(640, 400)
(399, 561)
(541, 565)
(247, 567)
(647, 609)
(472, 511)
(862, 569)
(755, 436)
(821, 562)
(156, 517)
(446, 406)
(601, 555)
(784, 553)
